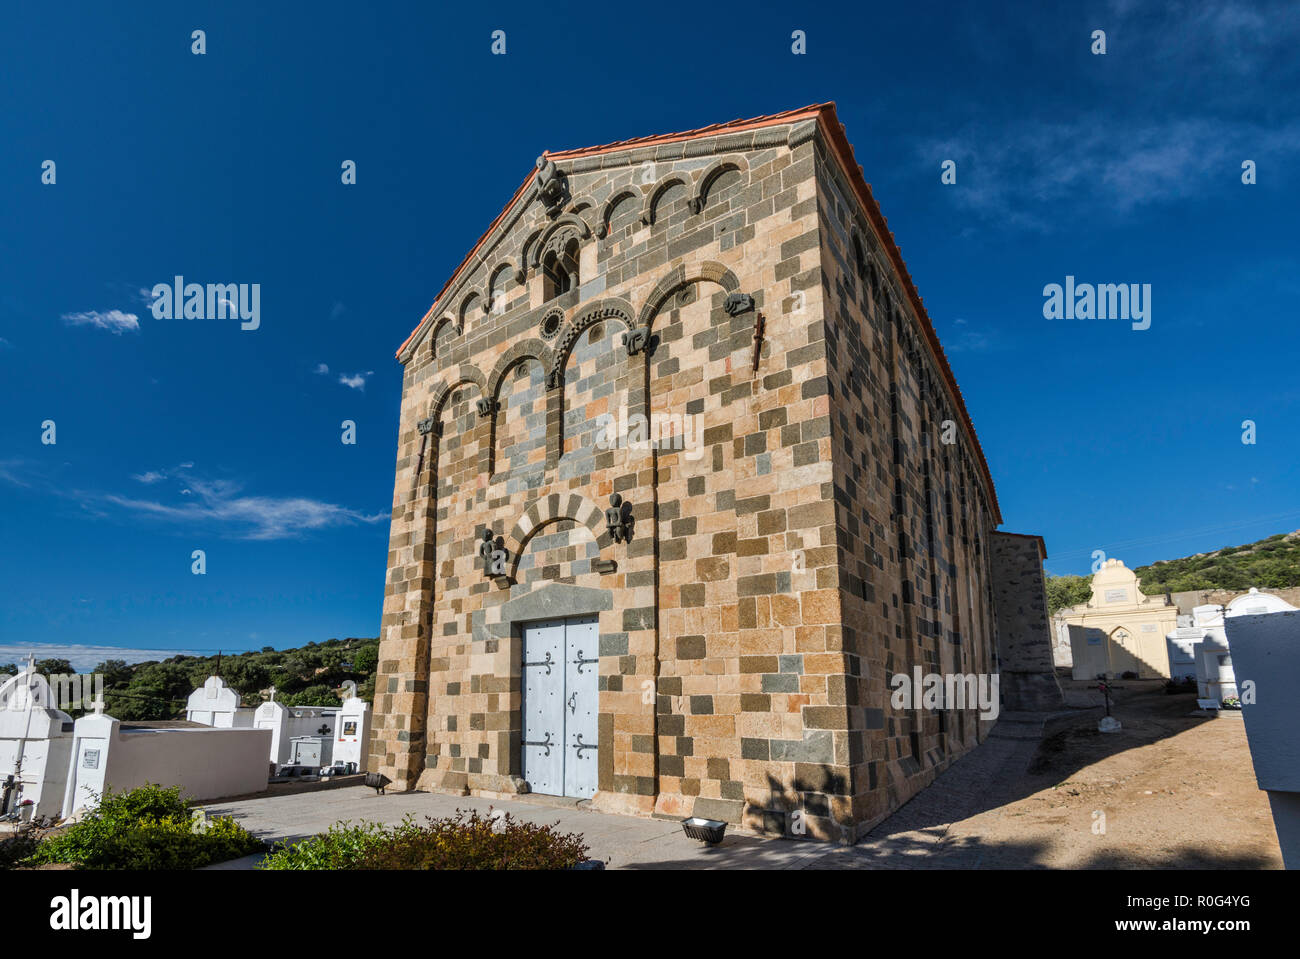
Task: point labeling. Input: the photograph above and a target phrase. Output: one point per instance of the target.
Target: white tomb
(205, 761)
(1207, 641)
(216, 704)
(1182, 651)
(352, 733)
(1268, 653)
(344, 729)
(287, 723)
(35, 743)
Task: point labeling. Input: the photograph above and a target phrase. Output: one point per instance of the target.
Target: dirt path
(1170, 791)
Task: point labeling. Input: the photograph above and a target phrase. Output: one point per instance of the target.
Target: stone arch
(467, 307)
(859, 253)
(525, 249)
(710, 175)
(465, 374)
(578, 356)
(497, 280)
(558, 234)
(436, 330)
(531, 348)
(708, 271)
(613, 308)
(523, 351)
(553, 508)
(653, 196)
(607, 212)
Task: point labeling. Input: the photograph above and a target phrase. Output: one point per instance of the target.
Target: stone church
(683, 478)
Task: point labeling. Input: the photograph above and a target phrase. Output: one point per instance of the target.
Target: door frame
(506, 623)
(562, 671)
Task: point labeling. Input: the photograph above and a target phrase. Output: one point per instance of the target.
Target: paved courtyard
(907, 839)
(622, 842)
(1015, 802)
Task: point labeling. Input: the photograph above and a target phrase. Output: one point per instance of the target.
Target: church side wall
(913, 561)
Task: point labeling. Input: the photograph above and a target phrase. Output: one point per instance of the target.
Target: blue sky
(177, 435)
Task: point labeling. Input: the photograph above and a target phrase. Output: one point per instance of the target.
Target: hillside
(306, 676)
(1271, 563)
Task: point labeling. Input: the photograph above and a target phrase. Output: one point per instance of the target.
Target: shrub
(150, 827)
(340, 847)
(467, 840)
(472, 841)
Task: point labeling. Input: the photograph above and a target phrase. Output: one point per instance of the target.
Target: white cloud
(221, 503)
(113, 320)
(199, 502)
(1047, 176)
(84, 658)
(357, 380)
(5, 344)
(321, 369)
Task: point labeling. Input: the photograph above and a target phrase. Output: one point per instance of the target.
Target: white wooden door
(561, 697)
(581, 697)
(543, 734)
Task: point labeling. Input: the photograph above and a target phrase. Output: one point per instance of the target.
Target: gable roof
(836, 138)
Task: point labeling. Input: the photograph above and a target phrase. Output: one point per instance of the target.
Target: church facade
(683, 479)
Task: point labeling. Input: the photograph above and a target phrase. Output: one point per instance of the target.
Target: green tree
(312, 696)
(1066, 591)
(366, 660)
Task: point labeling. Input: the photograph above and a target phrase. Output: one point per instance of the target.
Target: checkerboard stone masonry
(1028, 675)
(822, 540)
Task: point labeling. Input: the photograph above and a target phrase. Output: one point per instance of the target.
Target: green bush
(472, 841)
(340, 847)
(150, 827)
(463, 841)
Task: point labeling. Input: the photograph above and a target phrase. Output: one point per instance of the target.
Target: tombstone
(352, 731)
(1182, 651)
(1120, 629)
(288, 723)
(35, 744)
(216, 704)
(1267, 650)
(1215, 676)
(311, 751)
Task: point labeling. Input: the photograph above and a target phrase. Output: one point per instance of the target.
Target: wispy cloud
(200, 503)
(1042, 176)
(113, 320)
(967, 337)
(222, 504)
(357, 380)
(5, 344)
(321, 369)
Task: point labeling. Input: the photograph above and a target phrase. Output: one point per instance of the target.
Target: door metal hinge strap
(546, 743)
